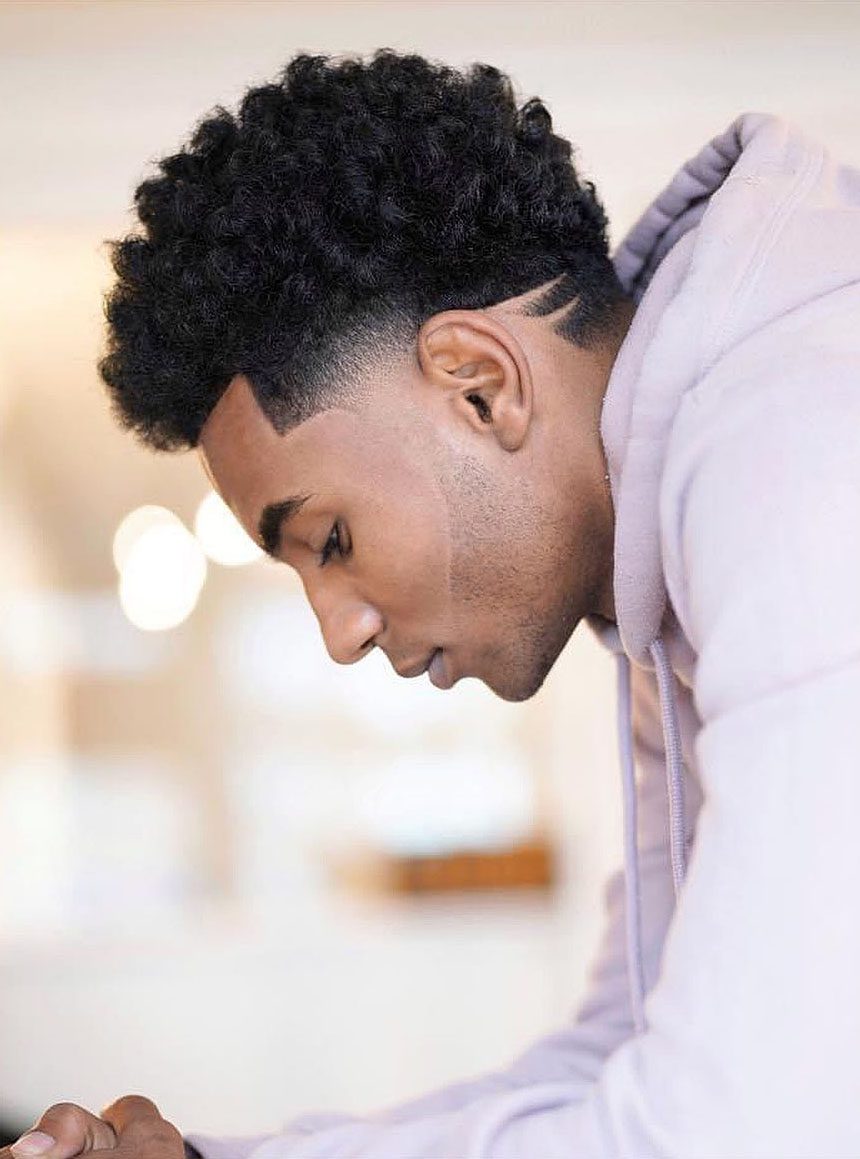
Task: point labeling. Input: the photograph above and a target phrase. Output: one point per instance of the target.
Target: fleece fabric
(722, 1019)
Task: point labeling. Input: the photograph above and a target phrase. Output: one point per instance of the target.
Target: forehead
(251, 465)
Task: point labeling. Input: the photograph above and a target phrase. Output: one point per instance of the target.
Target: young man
(379, 303)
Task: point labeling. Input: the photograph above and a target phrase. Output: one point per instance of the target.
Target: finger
(121, 1113)
(138, 1123)
(64, 1130)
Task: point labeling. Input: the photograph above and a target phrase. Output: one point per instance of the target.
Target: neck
(606, 601)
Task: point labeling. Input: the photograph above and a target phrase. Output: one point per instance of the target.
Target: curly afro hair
(321, 225)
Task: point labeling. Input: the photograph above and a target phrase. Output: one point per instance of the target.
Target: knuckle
(61, 1109)
(142, 1126)
(135, 1105)
(65, 1117)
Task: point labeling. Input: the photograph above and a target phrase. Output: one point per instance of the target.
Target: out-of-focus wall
(170, 801)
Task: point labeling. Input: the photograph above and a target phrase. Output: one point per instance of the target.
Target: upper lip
(410, 670)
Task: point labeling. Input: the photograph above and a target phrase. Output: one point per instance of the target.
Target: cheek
(419, 555)
(484, 548)
(412, 555)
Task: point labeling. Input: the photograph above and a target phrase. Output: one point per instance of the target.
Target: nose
(349, 627)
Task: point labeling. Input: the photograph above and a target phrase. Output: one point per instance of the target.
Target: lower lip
(438, 673)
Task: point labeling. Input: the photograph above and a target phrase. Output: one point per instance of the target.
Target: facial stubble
(509, 553)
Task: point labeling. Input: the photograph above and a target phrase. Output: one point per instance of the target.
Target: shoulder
(760, 512)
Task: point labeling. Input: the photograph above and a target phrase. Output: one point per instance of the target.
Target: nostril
(350, 632)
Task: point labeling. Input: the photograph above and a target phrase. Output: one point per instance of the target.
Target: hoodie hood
(691, 264)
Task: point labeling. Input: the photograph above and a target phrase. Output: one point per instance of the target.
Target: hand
(131, 1128)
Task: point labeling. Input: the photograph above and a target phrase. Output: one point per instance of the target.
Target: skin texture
(466, 486)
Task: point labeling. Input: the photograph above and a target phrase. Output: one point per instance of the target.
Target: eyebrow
(273, 518)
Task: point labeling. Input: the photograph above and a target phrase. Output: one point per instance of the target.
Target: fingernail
(33, 1143)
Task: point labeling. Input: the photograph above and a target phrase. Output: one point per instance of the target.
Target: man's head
(379, 303)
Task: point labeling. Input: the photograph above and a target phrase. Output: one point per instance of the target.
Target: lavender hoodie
(723, 1014)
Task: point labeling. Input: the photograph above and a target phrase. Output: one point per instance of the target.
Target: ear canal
(480, 405)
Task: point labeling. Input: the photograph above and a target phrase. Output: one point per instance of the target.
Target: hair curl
(322, 223)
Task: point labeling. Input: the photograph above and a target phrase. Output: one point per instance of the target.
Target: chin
(515, 689)
(520, 681)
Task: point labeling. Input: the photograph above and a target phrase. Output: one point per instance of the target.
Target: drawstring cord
(675, 793)
(674, 764)
(631, 870)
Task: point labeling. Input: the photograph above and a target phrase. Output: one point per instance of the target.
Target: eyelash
(331, 544)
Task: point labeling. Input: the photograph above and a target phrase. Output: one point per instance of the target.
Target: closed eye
(332, 544)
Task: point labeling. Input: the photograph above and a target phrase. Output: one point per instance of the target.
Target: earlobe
(483, 372)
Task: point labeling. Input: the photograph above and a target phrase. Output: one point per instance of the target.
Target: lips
(438, 671)
(412, 670)
(435, 665)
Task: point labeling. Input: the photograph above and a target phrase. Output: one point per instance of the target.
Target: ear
(482, 371)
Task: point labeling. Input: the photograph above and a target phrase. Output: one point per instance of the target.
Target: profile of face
(454, 513)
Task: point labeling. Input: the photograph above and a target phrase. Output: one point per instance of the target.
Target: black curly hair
(317, 229)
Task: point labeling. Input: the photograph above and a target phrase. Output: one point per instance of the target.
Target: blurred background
(234, 876)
